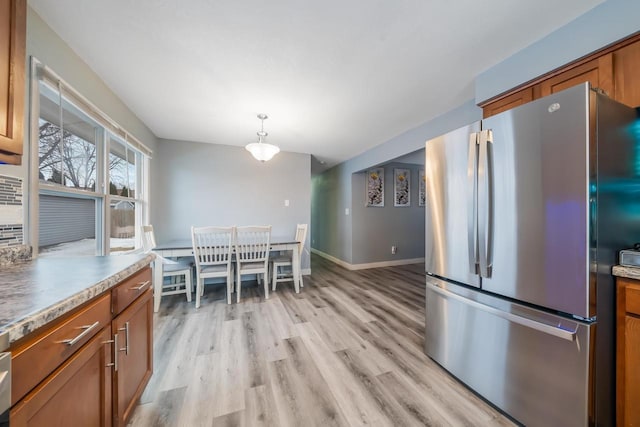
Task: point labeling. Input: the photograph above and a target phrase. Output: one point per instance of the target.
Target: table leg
(157, 283)
(295, 260)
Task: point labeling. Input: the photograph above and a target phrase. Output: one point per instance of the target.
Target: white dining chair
(279, 263)
(252, 246)
(212, 249)
(174, 270)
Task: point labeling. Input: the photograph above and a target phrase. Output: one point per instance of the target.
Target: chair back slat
(148, 238)
(212, 245)
(301, 236)
(252, 243)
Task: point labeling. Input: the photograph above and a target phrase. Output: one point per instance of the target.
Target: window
(90, 175)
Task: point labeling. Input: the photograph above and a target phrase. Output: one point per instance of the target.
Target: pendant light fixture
(261, 150)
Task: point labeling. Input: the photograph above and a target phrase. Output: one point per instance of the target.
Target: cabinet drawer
(126, 292)
(633, 299)
(42, 354)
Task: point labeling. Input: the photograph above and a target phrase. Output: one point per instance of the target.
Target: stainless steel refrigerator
(525, 214)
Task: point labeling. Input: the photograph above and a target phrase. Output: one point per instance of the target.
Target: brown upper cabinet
(13, 21)
(508, 102)
(613, 70)
(598, 72)
(626, 66)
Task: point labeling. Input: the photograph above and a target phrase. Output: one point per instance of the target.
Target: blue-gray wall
(221, 185)
(333, 232)
(605, 24)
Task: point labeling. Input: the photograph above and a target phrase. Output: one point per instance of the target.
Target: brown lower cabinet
(628, 353)
(78, 393)
(90, 367)
(135, 358)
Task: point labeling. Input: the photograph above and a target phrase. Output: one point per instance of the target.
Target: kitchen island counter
(37, 292)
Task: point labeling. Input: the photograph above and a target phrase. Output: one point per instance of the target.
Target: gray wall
(52, 51)
(375, 229)
(332, 231)
(205, 184)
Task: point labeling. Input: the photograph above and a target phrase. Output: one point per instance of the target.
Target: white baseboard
(368, 265)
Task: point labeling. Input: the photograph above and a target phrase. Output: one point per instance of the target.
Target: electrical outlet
(394, 249)
(286, 202)
(346, 211)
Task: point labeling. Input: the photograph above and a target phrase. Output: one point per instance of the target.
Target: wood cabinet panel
(632, 299)
(632, 371)
(135, 355)
(13, 18)
(41, 354)
(508, 102)
(627, 353)
(626, 71)
(78, 393)
(130, 289)
(598, 72)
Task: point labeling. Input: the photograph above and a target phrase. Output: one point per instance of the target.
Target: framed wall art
(375, 187)
(422, 193)
(401, 186)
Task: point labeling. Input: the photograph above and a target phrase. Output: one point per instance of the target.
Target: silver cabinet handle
(126, 337)
(87, 330)
(142, 285)
(542, 327)
(472, 209)
(485, 202)
(115, 352)
(114, 363)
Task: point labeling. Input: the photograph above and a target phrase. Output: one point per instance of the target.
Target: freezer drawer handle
(542, 327)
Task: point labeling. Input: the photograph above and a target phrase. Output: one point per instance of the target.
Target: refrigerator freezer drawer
(533, 365)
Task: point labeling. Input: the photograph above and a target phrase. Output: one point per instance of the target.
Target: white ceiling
(336, 77)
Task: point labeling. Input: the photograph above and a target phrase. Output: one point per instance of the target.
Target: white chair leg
(274, 280)
(187, 285)
(301, 282)
(198, 286)
(266, 287)
(238, 286)
(229, 286)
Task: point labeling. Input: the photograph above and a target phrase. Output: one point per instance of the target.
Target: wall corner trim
(368, 265)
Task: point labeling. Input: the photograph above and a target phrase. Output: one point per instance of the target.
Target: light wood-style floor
(346, 351)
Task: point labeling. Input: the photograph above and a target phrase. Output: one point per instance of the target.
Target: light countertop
(36, 292)
(628, 272)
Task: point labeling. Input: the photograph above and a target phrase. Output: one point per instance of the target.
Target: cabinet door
(134, 327)
(598, 72)
(626, 63)
(632, 371)
(508, 102)
(78, 393)
(13, 17)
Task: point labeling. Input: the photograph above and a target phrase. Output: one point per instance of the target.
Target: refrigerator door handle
(514, 318)
(485, 203)
(472, 206)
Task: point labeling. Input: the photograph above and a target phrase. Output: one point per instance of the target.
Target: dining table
(184, 248)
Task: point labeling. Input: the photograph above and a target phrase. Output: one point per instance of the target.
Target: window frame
(110, 130)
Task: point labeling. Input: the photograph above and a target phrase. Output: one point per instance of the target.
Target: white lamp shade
(262, 151)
